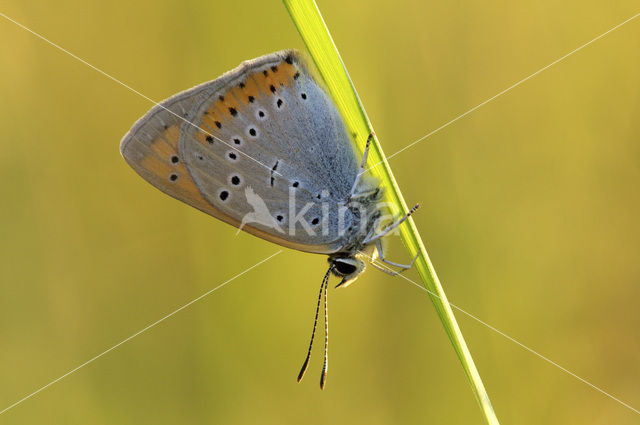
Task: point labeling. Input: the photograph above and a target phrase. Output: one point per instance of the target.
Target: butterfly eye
(343, 268)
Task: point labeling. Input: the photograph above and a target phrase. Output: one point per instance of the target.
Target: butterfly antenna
(315, 324)
(325, 364)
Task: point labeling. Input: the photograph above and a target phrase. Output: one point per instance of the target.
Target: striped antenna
(323, 288)
(325, 364)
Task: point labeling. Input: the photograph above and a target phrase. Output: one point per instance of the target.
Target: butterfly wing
(263, 130)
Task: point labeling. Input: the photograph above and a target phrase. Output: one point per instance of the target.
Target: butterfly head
(346, 267)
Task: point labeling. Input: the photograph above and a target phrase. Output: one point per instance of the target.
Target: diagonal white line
(388, 157)
(548, 360)
(136, 334)
(505, 91)
(112, 78)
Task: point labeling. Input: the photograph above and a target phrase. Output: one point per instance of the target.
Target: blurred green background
(530, 213)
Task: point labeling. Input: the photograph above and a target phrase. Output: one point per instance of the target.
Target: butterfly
(264, 149)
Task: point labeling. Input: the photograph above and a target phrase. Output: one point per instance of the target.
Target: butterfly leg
(362, 165)
(386, 270)
(403, 267)
(391, 227)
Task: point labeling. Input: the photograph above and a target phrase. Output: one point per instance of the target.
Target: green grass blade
(315, 34)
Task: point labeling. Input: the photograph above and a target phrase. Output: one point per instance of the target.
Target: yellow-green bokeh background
(530, 213)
